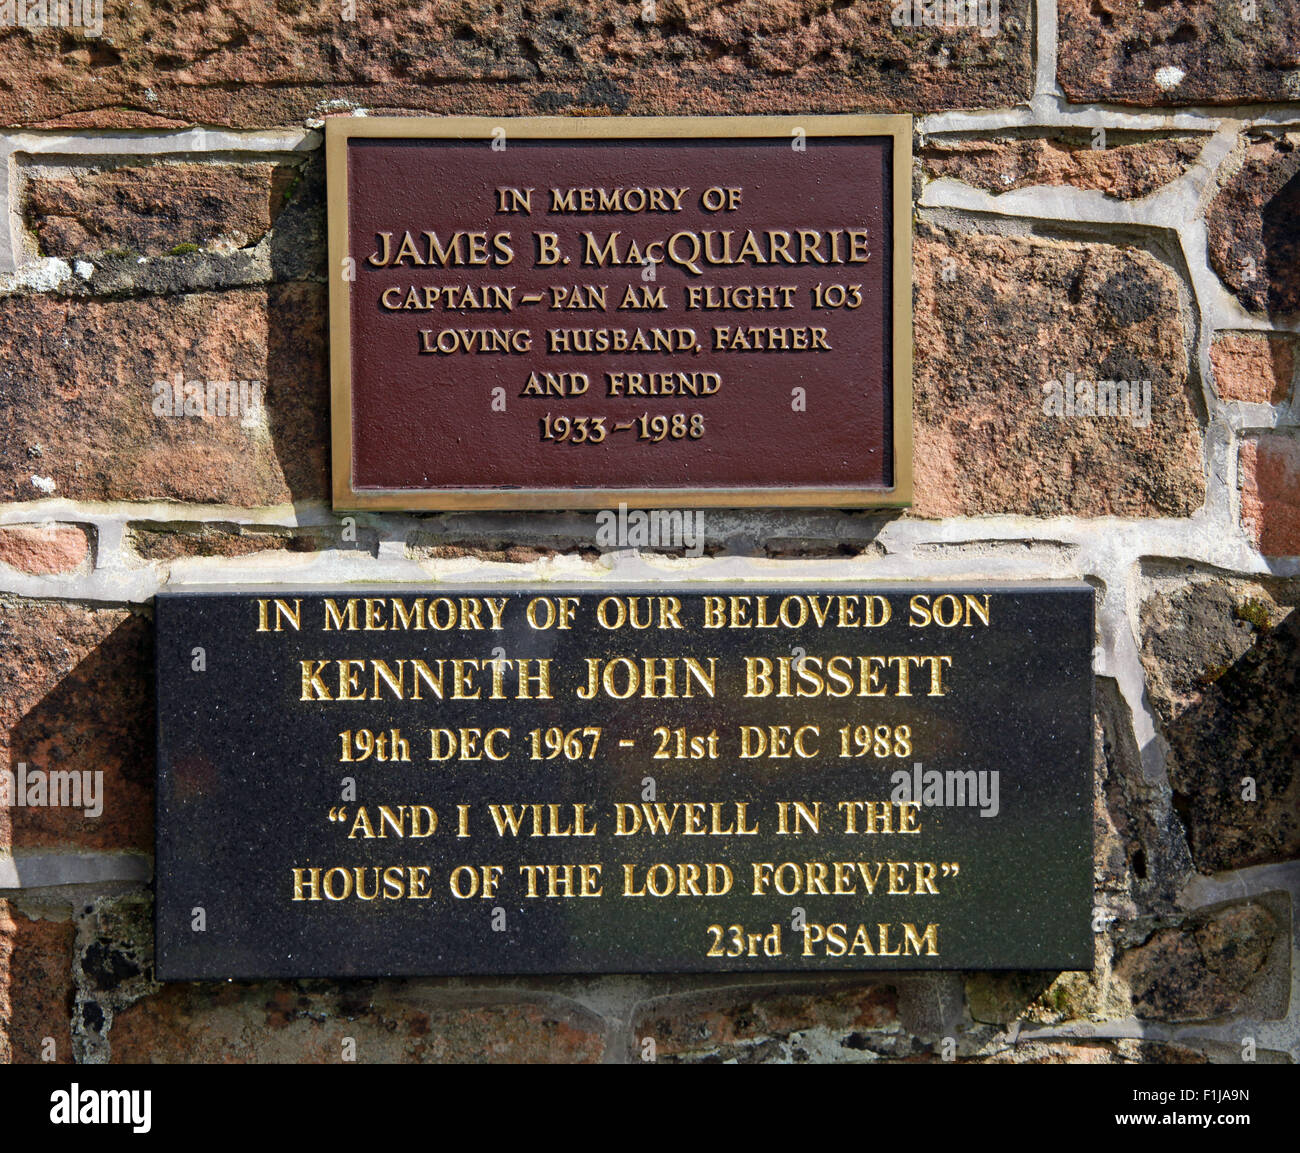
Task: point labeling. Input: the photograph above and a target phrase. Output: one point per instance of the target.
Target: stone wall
(1102, 188)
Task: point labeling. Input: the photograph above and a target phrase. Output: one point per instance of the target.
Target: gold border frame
(338, 131)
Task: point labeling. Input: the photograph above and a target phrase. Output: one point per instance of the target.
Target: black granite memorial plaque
(408, 781)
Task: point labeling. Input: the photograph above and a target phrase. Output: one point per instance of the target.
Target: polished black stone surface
(251, 780)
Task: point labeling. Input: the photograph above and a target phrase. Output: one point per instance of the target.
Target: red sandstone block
(44, 549)
(1250, 233)
(1250, 366)
(1270, 492)
(998, 319)
(154, 208)
(36, 989)
(281, 1023)
(85, 418)
(78, 699)
(254, 63)
(768, 1024)
(1177, 51)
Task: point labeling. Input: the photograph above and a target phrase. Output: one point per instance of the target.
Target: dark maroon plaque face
(610, 314)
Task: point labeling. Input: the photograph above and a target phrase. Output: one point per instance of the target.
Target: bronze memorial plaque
(574, 313)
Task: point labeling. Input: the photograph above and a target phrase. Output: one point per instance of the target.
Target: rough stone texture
(1201, 968)
(1127, 1052)
(294, 250)
(1000, 998)
(302, 1023)
(1115, 51)
(1255, 367)
(44, 549)
(423, 545)
(1172, 967)
(484, 551)
(112, 967)
(156, 208)
(253, 63)
(810, 548)
(773, 1025)
(80, 401)
(1141, 859)
(1057, 999)
(1122, 170)
(998, 317)
(124, 1015)
(155, 541)
(1270, 492)
(1223, 674)
(78, 696)
(35, 987)
(1254, 245)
